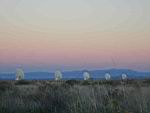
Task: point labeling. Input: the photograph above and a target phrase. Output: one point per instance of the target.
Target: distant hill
(96, 74)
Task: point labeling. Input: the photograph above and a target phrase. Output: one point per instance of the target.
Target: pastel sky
(45, 35)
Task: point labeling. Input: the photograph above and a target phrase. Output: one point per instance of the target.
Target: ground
(117, 96)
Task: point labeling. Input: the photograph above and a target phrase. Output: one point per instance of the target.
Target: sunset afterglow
(74, 34)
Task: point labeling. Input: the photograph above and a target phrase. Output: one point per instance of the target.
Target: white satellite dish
(107, 76)
(124, 77)
(86, 76)
(19, 74)
(58, 75)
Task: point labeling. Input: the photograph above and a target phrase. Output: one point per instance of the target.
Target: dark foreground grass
(75, 96)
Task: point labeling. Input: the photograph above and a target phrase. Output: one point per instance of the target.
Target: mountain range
(95, 74)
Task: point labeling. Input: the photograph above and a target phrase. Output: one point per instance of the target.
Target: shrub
(72, 82)
(22, 82)
(86, 83)
(5, 85)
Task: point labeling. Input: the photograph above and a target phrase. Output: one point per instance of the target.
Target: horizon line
(78, 70)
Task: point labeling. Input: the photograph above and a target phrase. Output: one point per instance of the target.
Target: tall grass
(74, 97)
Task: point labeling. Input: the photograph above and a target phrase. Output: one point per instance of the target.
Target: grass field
(75, 96)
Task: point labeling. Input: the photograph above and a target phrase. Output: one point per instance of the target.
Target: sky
(45, 35)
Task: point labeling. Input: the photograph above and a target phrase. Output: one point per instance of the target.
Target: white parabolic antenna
(107, 76)
(19, 74)
(58, 75)
(124, 76)
(86, 76)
